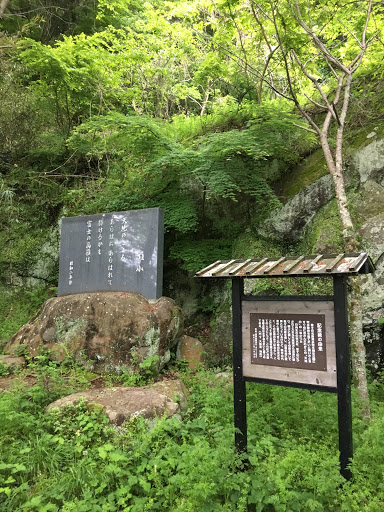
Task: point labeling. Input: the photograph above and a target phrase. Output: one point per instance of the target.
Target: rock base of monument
(109, 330)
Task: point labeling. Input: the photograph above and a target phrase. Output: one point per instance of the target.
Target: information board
(121, 251)
(290, 341)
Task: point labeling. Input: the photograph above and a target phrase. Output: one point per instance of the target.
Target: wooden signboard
(289, 341)
(292, 341)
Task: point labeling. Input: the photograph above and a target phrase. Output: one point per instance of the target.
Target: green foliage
(199, 254)
(46, 22)
(4, 369)
(143, 372)
(70, 459)
(17, 307)
(81, 422)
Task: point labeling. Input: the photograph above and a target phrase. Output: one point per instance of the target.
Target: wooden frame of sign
(334, 375)
(293, 341)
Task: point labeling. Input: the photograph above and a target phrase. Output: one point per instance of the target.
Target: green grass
(75, 461)
(17, 307)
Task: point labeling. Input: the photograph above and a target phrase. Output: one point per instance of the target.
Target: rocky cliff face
(311, 216)
(308, 222)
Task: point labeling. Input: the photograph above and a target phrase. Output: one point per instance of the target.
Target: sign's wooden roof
(312, 265)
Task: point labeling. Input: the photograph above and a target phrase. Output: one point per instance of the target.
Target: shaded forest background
(110, 106)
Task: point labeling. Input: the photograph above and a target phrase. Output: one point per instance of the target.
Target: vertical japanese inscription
(70, 274)
(88, 243)
(100, 225)
(288, 340)
(121, 251)
(111, 252)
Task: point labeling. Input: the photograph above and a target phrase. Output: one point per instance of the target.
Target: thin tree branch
(288, 74)
(314, 81)
(364, 34)
(42, 8)
(256, 18)
(323, 107)
(241, 61)
(336, 114)
(331, 67)
(317, 41)
(239, 33)
(305, 128)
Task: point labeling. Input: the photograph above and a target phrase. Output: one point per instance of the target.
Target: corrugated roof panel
(312, 265)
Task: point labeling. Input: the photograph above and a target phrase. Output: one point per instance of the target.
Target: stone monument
(121, 251)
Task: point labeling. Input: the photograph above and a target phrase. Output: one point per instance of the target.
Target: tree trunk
(358, 352)
(206, 98)
(3, 6)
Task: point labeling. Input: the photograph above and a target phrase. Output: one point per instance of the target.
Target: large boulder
(111, 329)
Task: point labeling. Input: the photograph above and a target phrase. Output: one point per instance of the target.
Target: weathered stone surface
(371, 200)
(219, 351)
(174, 389)
(191, 350)
(369, 162)
(106, 328)
(372, 233)
(12, 362)
(296, 214)
(121, 403)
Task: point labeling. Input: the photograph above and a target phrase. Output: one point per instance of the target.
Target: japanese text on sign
(118, 251)
(288, 340)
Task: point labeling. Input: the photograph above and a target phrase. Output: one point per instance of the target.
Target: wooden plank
(319, 378)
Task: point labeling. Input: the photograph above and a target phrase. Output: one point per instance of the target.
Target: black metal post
(239, 391)
(343, 375)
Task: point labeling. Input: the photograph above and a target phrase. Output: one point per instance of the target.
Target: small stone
(12, 362)
(191, 350)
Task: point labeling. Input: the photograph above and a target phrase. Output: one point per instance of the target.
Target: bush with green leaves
(72, 460)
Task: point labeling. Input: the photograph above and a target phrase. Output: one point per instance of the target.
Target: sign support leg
(239, 390)
(343, 376)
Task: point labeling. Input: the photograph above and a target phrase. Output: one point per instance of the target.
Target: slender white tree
(333, 101)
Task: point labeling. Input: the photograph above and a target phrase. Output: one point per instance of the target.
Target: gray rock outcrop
(369, 162)
(372, 233)
(291, 220)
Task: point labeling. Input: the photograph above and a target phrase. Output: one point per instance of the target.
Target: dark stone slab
(120, 251)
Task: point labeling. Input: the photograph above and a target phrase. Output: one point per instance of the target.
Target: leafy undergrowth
(75, 461)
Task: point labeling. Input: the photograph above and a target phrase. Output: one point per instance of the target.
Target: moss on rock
(324, 235)
(310, 170)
